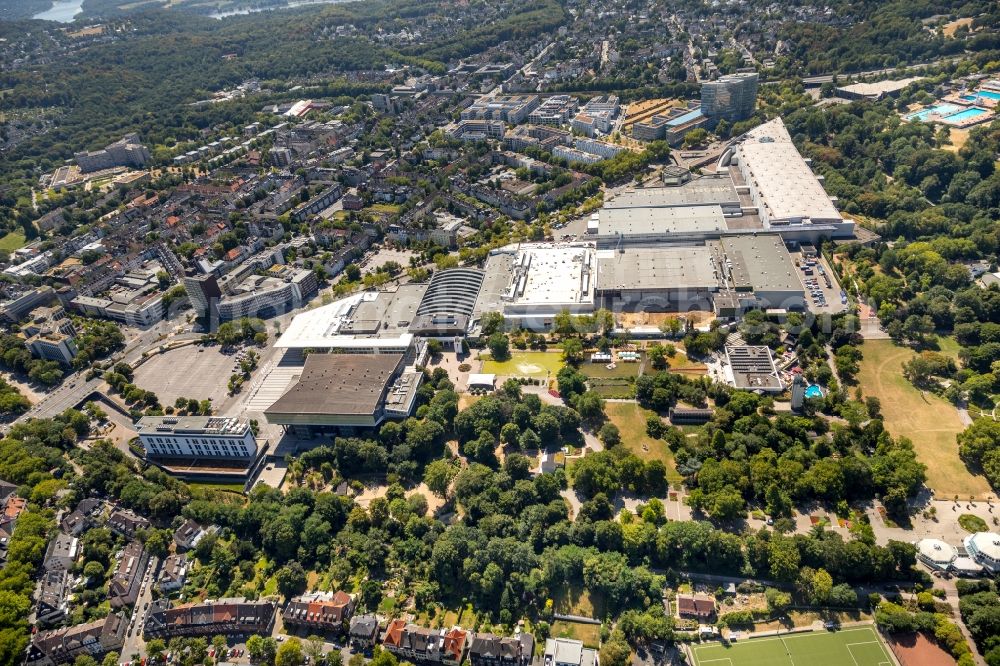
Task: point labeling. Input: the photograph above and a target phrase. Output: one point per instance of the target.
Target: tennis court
(858, 646)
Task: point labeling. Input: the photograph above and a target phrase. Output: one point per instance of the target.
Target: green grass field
(588, 634)
(858, 646)
(928, 420)
(13, 240)
(526, 364)
(631, 421)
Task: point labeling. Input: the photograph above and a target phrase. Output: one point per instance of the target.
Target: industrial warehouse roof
(339, 384)
(452, 291)
(788, 187)
(761, 262)
(366, 320)
(673, 220)
(877, 89)
(702, 191)
(670, 267)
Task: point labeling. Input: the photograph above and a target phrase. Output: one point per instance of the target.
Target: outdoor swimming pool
(965, 115)
(814, 391)
(988, 94)
(940, 110)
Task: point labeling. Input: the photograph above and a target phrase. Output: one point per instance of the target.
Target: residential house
(323, 611)
(363, 633)
(190, 534)
(73, 523)
(59, 646)
(82, 517)
(415, 643)
(697, 607)
(208, 618)
(53, 588)
(51, 597)
(568, 652)
(173, 573)
(454, 645)
(126, 523)
(62, 552)
(12, 509)
(123, 590)
(491, 650)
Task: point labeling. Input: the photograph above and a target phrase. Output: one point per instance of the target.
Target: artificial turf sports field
(857, 646)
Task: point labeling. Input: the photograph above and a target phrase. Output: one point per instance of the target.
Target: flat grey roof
(674, 220)
(761, 262)
(339, 384)
(753, 368)
(699, 191)
(671, 267)
(388, 315)
(879, 87)
(496, 278)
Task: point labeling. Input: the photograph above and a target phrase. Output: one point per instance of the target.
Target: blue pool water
(814, 391)
(988, 94)
(965, 115)
(939, 109)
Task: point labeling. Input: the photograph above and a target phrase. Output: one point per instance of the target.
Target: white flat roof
(787, 186)
(554, 274)
(879, 87)
(320, 328)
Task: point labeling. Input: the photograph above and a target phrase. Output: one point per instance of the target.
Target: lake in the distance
(62, 11)
(290, 4)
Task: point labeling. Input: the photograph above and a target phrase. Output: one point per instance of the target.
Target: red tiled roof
(695, 606)
(394, 633)
(15, 505)
(454, 643)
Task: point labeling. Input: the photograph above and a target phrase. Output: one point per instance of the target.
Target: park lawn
(465, 401)
(929, 421)
(391, 209)
(948, 345)
(859, 646)
(577, 600)
(387, 605)
(464, 616)
(526, 364)
(589, 634)
(225, 487)
(613, 388)
(13, 240)
(681, 363)
(631, 421)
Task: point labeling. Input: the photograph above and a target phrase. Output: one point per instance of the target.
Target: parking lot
(375, 260)
(822, 290)
(193, 371)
